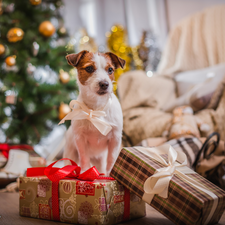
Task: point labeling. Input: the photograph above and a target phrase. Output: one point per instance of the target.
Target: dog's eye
(110, 70)
(90, 69)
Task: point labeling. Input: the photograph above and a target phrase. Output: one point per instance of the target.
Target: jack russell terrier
(94, 136)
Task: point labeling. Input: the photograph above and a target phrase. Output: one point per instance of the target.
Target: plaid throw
(185, 204)
(190, 146)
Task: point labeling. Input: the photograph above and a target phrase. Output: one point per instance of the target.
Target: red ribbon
(4, 147)
(56, 174)
(126, 215)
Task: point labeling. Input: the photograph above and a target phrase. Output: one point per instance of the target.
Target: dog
(85, 144)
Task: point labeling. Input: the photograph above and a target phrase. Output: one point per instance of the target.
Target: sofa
(194, 47)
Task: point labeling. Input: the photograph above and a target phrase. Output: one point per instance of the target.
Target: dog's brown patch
(73, 59)
(87, 60)
(116, 61)
(109, 64)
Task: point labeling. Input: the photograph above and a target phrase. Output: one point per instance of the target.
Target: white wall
(179, 9)
(98, 16)
(71, 16)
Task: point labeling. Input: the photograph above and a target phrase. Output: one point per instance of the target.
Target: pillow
(201, 102)
(135, 89)
(187, 80)
(198, 95)
(215, 99)
(201, 97)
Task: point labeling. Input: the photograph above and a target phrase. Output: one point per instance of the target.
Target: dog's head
(96, 70)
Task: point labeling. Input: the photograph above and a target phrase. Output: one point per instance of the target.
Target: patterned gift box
(184, 203)
(82, 202)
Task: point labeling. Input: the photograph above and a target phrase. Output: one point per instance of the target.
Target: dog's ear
(73, 59)
(117, 61)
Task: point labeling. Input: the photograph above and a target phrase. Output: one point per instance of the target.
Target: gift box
(160, 177)
(79, 201)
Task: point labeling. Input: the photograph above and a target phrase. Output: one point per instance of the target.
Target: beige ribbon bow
(158, 183)
(84, 112)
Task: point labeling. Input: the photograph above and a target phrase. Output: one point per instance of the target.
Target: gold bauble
(2, 49)
(47, 29)
(64, 76)
(15, 34)
(86, 42)
(35, 2)
(64, 109)
(117, 41)
(62, 31)
(10, 60)
(1, 9)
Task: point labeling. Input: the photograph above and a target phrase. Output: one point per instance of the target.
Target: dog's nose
(103, 85)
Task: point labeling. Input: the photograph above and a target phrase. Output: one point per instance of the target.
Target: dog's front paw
(85, 166)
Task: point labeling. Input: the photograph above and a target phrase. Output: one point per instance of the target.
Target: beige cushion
(136, 89)
(144, 122)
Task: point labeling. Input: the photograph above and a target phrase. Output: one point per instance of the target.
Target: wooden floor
(9, 214)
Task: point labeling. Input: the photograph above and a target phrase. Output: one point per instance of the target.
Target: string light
(149, 73)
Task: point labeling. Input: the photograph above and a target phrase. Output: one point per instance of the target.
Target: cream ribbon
(158, 183)
(84, 112)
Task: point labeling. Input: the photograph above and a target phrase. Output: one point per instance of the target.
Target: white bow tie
(85, 113)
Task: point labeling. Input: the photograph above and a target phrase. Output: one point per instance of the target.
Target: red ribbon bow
(56, 174)
(4, 147)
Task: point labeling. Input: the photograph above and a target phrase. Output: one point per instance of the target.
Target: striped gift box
(185, 204)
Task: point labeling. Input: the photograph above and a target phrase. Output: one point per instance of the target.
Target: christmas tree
(35, 79)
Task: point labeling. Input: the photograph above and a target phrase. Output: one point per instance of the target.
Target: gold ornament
(35, 2)
(118, 44)
(64, 109)
(1, 9)
(138, 63)
(15, 34)
(2, 49)
(10, 60)
(86, 42)
(64, 76)
(47, 29)
(62, 31)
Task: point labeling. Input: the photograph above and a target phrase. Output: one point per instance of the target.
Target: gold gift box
(83, 202)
